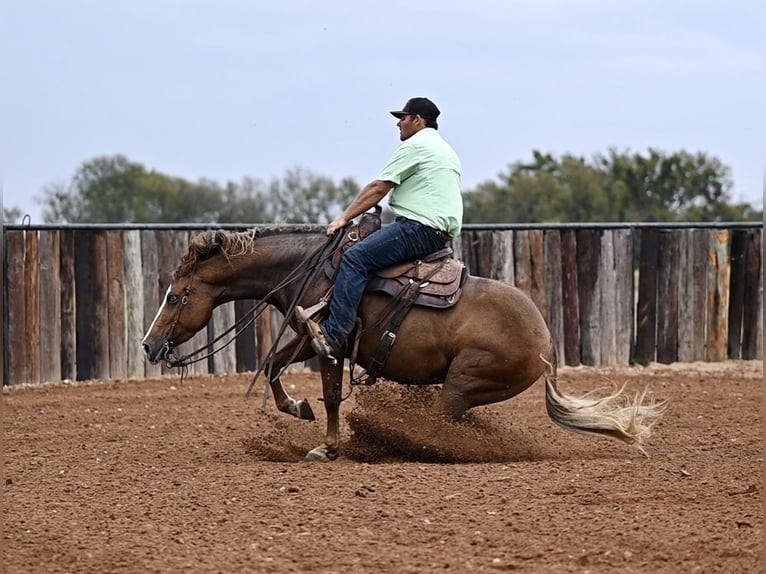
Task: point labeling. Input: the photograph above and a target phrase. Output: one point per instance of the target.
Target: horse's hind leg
(480, 380)
(285, 403)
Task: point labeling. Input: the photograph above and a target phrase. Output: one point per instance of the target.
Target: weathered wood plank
(692, 294)
(607, 299)
(116, 302)
(737, 256)
(718, 296)
(150, 264)
(470, 252)
(225, 359)
(134, 303)
(85, 309)
(685, 285)
(32, 313)
(570, 297)
(625, 294)
(245, 343)
(700, 240)
(50, 306)
(588, 255)
(554, 293)
(263, 334)
(16, 302)
(537, 270)
(502, 256)
(522, 260)
(646, 312)
(68, 307)
(667, 297)
(484, 249)
(752, 322)
(101, 303)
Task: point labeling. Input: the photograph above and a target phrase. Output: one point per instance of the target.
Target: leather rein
(308, 269)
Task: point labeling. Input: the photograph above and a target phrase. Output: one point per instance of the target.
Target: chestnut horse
(492, 345)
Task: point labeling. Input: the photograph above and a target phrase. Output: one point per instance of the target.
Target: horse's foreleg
(285, 403)
(332, 387)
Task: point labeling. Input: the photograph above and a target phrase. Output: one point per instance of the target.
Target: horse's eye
(172, 298)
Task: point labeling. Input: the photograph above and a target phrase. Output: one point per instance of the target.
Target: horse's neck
(256, 275)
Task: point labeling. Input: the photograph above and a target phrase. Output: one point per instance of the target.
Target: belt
(442, 235)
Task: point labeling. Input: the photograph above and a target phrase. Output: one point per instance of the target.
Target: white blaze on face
(157, 316)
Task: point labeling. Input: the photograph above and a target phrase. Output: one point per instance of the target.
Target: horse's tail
(618, 416)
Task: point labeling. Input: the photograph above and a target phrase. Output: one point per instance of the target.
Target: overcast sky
(223, 89)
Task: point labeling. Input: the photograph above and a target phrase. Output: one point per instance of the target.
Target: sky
(229, 89)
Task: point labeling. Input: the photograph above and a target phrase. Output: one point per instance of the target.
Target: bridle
(184, 361)
(308, 270)
(166, 352)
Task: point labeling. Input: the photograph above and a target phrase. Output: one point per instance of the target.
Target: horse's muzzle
(159, 352)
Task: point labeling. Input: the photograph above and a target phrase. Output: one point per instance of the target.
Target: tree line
(612, 187)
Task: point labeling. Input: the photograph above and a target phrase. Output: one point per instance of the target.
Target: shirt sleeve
(402, 164)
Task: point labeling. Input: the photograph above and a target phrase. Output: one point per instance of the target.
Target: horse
(490, 346)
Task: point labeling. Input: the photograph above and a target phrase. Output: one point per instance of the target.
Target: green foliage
(12, 215)
(612, 187)
(299, 197)
(615, 187)
(116, 190)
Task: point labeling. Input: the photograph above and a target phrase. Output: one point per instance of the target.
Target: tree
(12, 214)
(613, 187)
(303, 197)
(545, 190)
(117, 190)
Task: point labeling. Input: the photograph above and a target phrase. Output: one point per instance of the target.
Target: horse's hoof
(305, 412)
(320, 454)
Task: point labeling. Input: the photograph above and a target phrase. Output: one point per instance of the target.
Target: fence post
(718, 296)
(134, 302)
(667, 297)
(570, 297)
(50, 306)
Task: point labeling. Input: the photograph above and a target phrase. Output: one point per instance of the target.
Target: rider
(424, 174)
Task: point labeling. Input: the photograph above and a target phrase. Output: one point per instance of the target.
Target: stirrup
(303, 315)
(318, 340)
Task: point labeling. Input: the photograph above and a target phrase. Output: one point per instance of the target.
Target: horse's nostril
(145, 348)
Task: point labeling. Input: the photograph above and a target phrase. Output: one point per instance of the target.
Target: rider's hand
(339, 223)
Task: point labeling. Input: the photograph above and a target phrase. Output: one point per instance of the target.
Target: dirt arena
(172, 476)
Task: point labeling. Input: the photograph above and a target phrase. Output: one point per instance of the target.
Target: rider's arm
(368, 197)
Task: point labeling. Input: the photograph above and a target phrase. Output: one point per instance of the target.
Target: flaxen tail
(618, 416)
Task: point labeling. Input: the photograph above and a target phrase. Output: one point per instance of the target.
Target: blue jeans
(403, 240)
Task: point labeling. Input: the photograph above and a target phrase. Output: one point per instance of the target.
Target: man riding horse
(423, 177)
(488, 344)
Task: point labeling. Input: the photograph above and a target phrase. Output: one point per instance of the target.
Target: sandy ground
(169, 475)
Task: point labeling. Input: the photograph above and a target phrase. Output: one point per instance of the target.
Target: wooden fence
(77, 299)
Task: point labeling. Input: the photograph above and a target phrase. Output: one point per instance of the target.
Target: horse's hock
(78, 299)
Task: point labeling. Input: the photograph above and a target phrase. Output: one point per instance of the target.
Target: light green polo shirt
(425, 171)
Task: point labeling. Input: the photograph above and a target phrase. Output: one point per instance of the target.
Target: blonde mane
(208, 244)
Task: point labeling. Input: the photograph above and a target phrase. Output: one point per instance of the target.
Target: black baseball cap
(422, 107)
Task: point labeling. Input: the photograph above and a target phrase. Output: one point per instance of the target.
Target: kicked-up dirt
(188, 476)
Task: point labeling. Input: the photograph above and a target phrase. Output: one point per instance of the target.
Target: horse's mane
(208, 244)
